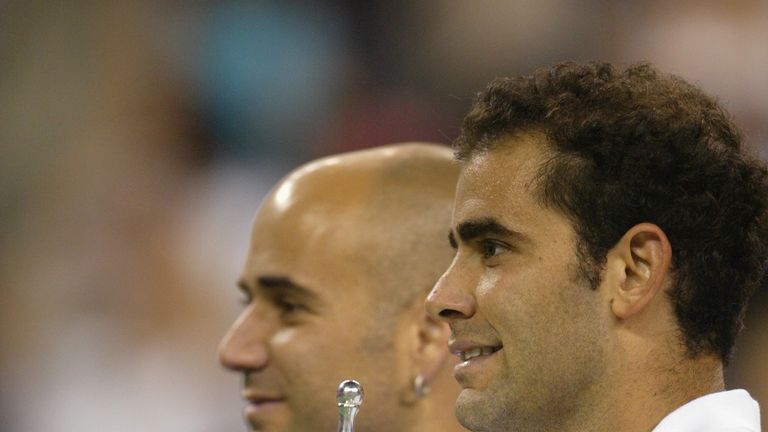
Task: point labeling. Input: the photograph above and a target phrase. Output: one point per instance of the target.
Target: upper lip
(466, 349)
(259, 397)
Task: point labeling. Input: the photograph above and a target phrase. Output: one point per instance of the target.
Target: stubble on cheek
(552, 347)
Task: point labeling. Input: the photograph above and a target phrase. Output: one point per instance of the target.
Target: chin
(267, 426)
(478, 412)
(469, 406)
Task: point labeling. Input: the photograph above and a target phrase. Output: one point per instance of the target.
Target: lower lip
(257, 408)
(474, 365)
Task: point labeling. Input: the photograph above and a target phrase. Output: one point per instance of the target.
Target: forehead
(501, 183)
(316, 247)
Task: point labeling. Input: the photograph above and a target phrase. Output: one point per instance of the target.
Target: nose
(450, 299)
(244, 347)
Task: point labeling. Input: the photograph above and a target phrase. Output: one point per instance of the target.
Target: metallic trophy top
(349, 394)
(349, 397)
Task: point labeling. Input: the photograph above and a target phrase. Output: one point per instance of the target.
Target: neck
(640, 397)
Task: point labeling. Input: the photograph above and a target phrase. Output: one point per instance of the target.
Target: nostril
(450, 313)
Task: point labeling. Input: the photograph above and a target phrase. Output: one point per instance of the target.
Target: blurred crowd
(138, 138)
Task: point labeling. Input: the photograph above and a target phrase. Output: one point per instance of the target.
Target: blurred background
(138, 138)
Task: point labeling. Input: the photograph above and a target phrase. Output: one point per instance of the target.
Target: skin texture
(569, 356)
(343, 252)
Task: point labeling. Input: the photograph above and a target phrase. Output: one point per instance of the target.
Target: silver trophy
(349, 397)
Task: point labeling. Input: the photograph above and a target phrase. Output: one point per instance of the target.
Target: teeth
(477, 352)
(466, 355)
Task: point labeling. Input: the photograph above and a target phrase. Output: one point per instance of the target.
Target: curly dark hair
(638, 146)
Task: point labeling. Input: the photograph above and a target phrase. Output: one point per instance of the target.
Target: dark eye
(288, 307)
(490, 248)
(245, 297)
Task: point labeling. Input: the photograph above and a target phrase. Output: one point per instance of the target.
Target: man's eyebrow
(274, 285)
(472, 229)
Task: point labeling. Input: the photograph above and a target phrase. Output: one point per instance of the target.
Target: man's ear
(433, 347)
(636, 269)
(429, 353)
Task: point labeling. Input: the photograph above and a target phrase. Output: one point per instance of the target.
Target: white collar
(733, 410)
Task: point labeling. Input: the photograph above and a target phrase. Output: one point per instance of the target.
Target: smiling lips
(476, 357)
(477, 352)
(467, 350)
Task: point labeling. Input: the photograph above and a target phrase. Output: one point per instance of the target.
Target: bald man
(343, 252)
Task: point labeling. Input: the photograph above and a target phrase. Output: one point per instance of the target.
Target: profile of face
(314, 309)
(528, 329)
(306, 324)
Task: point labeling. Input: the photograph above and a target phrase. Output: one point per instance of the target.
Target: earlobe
(429, 357)
(640, 264)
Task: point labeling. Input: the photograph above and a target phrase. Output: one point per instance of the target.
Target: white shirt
(727, 411)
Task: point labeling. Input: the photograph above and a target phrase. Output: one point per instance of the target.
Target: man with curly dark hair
(609, 231)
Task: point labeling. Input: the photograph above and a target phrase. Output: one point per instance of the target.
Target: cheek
(513, 286)
(316, 350)
(300, 352)
(290, 348)
(303, 344)
(489, 284)
(306, 363)
(284, 338)
(523, 300)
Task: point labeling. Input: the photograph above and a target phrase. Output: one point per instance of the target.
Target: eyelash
(288, 307)
(491, 248)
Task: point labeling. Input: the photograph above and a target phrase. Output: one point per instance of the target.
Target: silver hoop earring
(420, 386)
